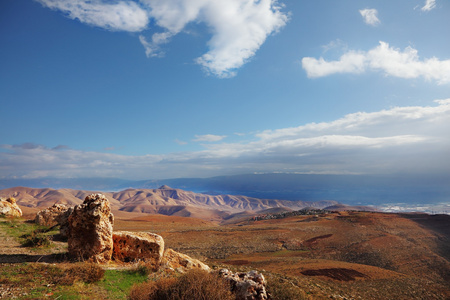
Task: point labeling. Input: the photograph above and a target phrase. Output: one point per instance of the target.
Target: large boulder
(246, 285)
(9, 208)
(90, 230)
(181, 262)
(138, 246)
(49, 216)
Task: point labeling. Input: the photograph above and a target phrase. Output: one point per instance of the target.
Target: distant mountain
(348, 189)
(164, 200)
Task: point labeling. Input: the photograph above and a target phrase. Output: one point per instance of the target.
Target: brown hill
(359, 255)
(165, 200)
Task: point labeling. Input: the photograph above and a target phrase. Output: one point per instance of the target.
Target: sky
(153, 89)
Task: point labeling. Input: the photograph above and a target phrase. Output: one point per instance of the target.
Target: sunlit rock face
(9, 208)
(49, 216)
(90, 230)
(246, 285)
(181, 262)
(138, 246)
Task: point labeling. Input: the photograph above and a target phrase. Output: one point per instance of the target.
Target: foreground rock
(49, 216)
(9, 208)
(246, 286)
(90, 230)
(181, 262)
(138, 246)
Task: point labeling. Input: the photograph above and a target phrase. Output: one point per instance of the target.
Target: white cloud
(121, 15)
(153, 49)
(429, 5)
(391, 61)
(209, 138)
(238, 27)
(370, 16)
(412, 139)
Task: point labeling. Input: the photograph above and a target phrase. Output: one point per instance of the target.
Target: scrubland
(340, 255)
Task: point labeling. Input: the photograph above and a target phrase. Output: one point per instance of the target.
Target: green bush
(195, 284)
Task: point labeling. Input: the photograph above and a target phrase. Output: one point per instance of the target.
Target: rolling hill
(163, 200)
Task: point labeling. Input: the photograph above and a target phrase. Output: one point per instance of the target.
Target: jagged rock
(90, 230)
(48, 216)
(8, 207)
(246, 286)
(181, 262)
(63, 221)
(138, 246)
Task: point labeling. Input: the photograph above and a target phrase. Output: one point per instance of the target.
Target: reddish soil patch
(237, 262)
(340, 274)
(315, 239)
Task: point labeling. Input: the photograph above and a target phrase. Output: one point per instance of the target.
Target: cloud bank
(370, 16)
(411, 140)
(383, 58)
(238, 27)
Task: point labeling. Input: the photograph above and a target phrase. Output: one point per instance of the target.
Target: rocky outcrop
(63, 221)
(90, 230)
(246, 286)
(138, 246)
(181, 262)
(49, 216)
(8, 207)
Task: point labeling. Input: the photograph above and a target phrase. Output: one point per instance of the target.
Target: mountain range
(163, 200)
(348, 189)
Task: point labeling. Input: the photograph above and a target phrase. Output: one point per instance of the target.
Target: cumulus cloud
(209, 138)
(429, 5)
(389, 60)
(120, 15)
(238, 28)
(411, 139)
(370, 16)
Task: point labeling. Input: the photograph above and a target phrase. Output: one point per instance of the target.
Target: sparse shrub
(88, 273)
(282, 289)
(142, 269)
(195, 284)
(36, 239)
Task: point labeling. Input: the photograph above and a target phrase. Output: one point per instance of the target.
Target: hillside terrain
(347, 254)
(164, 200)
(320, 248)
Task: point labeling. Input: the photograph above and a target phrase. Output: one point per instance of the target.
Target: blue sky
(194, 88)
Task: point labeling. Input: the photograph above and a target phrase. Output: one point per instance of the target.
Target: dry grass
(195, 284)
